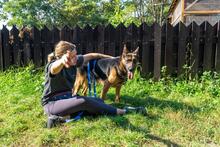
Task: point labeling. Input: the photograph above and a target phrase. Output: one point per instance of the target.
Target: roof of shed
(199, 5)
(173, 4)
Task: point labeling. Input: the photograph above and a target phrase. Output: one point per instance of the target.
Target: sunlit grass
(180, 112)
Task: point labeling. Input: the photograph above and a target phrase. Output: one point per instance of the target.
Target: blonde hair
(60, 49)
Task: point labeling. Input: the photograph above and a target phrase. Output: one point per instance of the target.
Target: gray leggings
(93, 106)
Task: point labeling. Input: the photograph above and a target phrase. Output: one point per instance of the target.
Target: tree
(51, 12)
(71, 12)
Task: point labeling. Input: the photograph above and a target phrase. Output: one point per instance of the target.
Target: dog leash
(79, 115)
(89, 78)
(94, 84)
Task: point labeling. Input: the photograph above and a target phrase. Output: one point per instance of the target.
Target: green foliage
(71, 12)
(180, 112)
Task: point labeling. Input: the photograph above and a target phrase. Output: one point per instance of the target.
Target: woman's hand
(69, 59)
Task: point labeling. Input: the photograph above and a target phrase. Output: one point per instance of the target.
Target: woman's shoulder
(48, 65)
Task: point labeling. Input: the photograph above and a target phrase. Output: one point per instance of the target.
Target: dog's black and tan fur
(112, 72)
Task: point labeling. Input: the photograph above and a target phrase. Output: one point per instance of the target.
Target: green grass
(180, 113)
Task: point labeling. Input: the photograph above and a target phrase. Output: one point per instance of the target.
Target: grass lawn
(180, 113)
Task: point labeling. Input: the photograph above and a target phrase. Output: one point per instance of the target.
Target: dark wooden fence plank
(214, 47)
(27, 48)
(120, 38)
(217, 67)
(46, 37)
(55, 32)
(15, 46)
(139, 42)
(175, 48)
(55, 37)
(1, 51)
(163, 44)
(169, 49)
(133, 36)
(77, 38)
(37, 52)
(128, 37)
(6, 48)
(88, 39)
(109, 41)
(98, 36)
(195, 49)
(208, 47)
(112, 47)
(182, 47)
(157, 51)
(146, 36)
(66, 34)
(136, 39)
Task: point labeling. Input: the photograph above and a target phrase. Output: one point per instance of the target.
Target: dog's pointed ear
(136, 51)
(125, 50)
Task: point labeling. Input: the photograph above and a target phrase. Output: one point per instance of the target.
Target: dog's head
(129, 60)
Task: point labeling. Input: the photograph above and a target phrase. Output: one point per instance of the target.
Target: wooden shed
(199, 11)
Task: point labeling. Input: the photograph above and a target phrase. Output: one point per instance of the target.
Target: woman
(60, 74)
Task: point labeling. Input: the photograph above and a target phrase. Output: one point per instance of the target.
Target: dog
(111, 72)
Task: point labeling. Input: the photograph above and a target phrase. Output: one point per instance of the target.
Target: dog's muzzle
(130, 73)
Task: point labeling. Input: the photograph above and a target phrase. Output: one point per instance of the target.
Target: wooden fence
(197, 46)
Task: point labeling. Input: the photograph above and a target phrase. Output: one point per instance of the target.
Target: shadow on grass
(153, 102)
(125, 124)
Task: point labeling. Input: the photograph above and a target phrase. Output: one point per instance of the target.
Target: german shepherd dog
(112, 72)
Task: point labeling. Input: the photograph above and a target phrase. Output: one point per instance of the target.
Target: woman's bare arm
(91, 56)
(58, 65)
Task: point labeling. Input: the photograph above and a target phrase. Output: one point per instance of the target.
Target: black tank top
(61, 82)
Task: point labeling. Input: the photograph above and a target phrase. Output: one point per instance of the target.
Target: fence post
(208, 50)
(1, 51)
(157, 51)
(6, 48)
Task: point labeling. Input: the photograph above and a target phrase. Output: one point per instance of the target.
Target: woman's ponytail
(51, 57)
